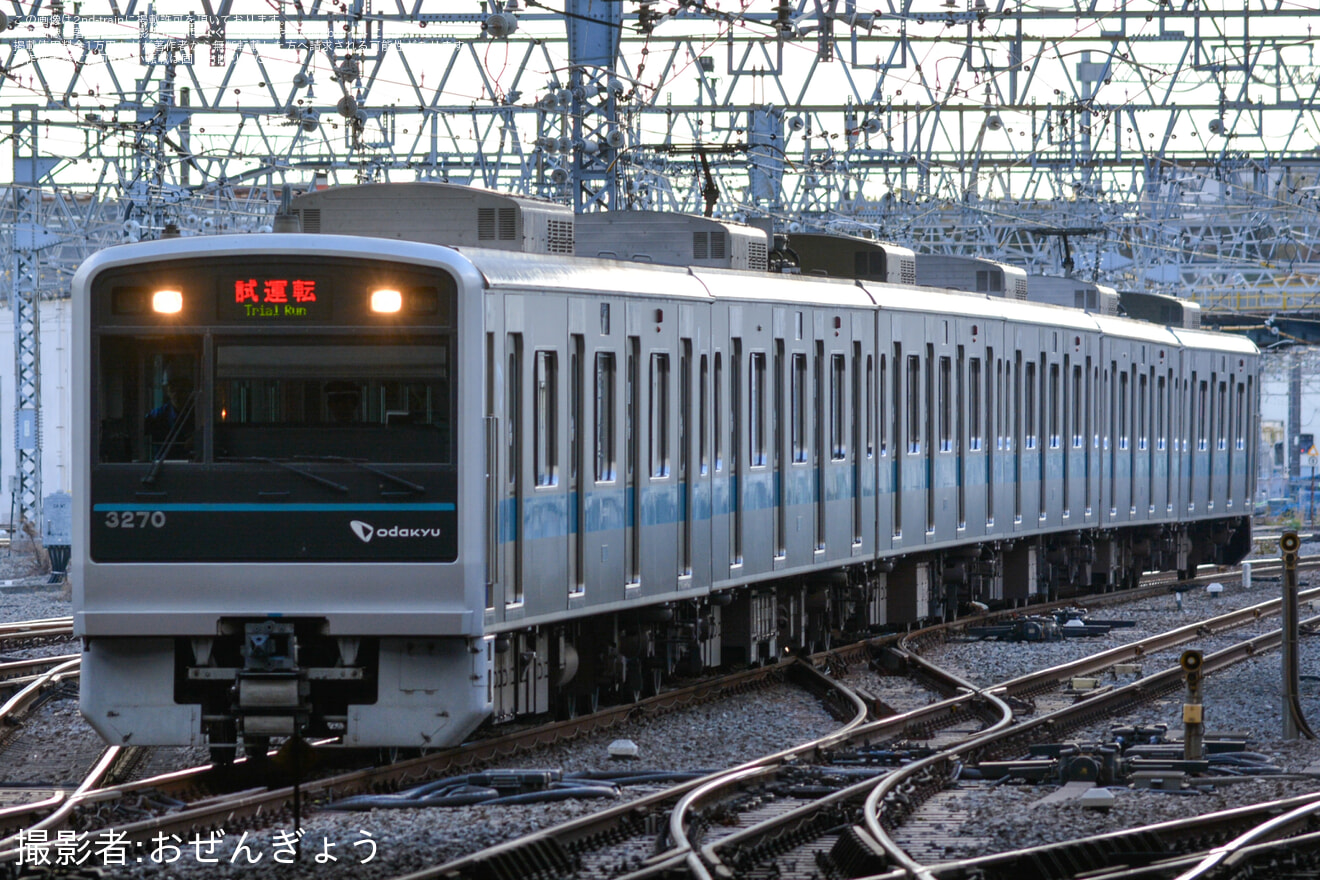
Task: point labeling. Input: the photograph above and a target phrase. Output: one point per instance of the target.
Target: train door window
(1076, 404)
(1142, 404)
(974, 412)
(684, 409)
(514, 391)
(575, 391)
(717, 411)
(1161, 410)
(685, 458)
(633, 460)
(1123, 410)
(491, 408)
(756, 410)
(945, 405)
(778, 427)
(513, 381)
(930, 429)
(861, 434)
(703, 443)
(1029, 405)
(913, 404)
(659, 436)
(1202, 432)
(838, 410)
(1055, 432)
(605, 378)
(1239, 438)
(1221, 408)
(869, 439)
(545, 418)
(735, 439)
(882, 411)
(798, 428)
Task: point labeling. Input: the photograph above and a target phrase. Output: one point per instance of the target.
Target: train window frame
(869, 439)
(606, 369)
(1143, 410)
(717, 410)
(545, 418)
(913, 392)
(1055, 434)
(756, 368)
(122, 419)
(1029, 405)
(838, 407)
(1123, 414)
(658, 448)
(944, 403)
(797, 407)
(974, 405)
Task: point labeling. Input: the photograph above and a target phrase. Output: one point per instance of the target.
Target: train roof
(510, 269)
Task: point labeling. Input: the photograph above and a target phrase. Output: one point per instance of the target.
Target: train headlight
(386, 301)
(167, 302)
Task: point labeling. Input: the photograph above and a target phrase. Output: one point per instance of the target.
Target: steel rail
(562, 841)
(1034, 682)
(1066, 859)
(1102, 704)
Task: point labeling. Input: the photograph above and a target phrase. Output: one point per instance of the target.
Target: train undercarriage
(572, 668)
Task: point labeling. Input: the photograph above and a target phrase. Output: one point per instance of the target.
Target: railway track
(947, 719)
(759, 807)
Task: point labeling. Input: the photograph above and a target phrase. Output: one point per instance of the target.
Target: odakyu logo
(366, 531)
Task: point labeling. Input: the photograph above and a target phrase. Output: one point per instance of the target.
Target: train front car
(274, 486)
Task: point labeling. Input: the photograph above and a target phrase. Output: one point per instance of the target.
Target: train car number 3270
(131, 519)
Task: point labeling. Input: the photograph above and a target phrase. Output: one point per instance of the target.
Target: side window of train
(606, 378)
(913, 404)
(717, 412)
(756, 410)
(945, 404)
(659, 445)
(838, 415)
(146, 404)
(974, 404)
(545, 417)
(798, 406)
(1029, 405)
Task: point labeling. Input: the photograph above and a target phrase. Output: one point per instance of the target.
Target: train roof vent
(438, 213)
(758, 258)
(671, 240)
(972, 274)
(559, 236)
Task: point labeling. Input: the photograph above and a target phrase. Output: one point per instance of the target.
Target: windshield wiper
(371, 469)
(338, 487)
(184, 415)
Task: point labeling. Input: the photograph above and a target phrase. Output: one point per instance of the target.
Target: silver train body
(571, 479)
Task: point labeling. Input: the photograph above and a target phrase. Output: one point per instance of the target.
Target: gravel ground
(719, 735)
(987, 662)
(1245, 699)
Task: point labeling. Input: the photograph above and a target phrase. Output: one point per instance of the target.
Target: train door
(541, 489)
(721, 482)
(658, 521)
(495, 460)
(1200, 456)
(885, 404)
(603, 531)
(910, 472)
(756, 535)
(1219, 436)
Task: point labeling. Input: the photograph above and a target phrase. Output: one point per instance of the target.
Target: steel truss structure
(1148, 144)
